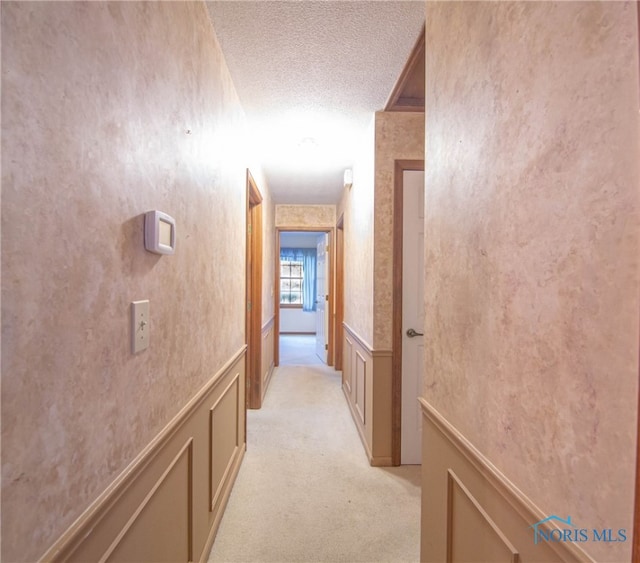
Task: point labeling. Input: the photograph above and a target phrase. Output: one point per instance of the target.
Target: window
(291, 280)
(298, 282)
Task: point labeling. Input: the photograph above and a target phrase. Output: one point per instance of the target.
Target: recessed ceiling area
(310, 75)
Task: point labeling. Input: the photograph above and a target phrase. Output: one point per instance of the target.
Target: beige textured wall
(109, 110)
(399, 136)
(357, 206)
(368, 213)
(305, 216)
(532, 247)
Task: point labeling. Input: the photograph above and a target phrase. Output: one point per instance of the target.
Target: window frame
(288, 305)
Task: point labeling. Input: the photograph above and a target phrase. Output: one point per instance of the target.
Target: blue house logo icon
(536, 535)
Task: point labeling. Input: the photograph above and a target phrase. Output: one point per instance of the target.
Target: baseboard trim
(91, 520)
(381, 461)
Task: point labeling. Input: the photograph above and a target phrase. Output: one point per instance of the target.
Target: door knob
(411, 333)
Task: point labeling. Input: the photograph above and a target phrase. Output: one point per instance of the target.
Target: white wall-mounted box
(159, 232)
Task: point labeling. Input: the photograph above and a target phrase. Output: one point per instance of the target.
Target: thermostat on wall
(159, 232)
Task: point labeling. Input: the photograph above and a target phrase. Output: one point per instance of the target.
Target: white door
(321, 299)
(412, 314)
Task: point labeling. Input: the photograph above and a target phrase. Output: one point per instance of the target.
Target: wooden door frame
(276, 294)
(396, 359)
(339, 294)
(635, 552)
(253, 307)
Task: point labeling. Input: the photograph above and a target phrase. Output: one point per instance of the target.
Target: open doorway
(304, 297)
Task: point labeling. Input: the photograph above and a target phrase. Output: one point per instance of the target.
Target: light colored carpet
(306, 492)
(298, 350)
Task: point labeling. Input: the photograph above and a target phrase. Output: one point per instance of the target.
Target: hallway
(298, 350)
(153, 156)
(305, 491)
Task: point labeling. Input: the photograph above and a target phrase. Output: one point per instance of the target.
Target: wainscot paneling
(346, 365)
(225, 438)
(267, 354)
(361, 386)
(470, 511)
(366, 383)
(167, 505)
(465, 513)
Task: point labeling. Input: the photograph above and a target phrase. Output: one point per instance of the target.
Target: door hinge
(327, 248)
(326, 298)
(248, 305)
(249, 228)
(326, 346)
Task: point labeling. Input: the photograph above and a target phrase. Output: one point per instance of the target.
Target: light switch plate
(139, 326)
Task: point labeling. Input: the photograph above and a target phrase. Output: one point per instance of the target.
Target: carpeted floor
(306, 492)
(298, 350)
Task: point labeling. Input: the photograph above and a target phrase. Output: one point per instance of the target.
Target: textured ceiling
(309, 75)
